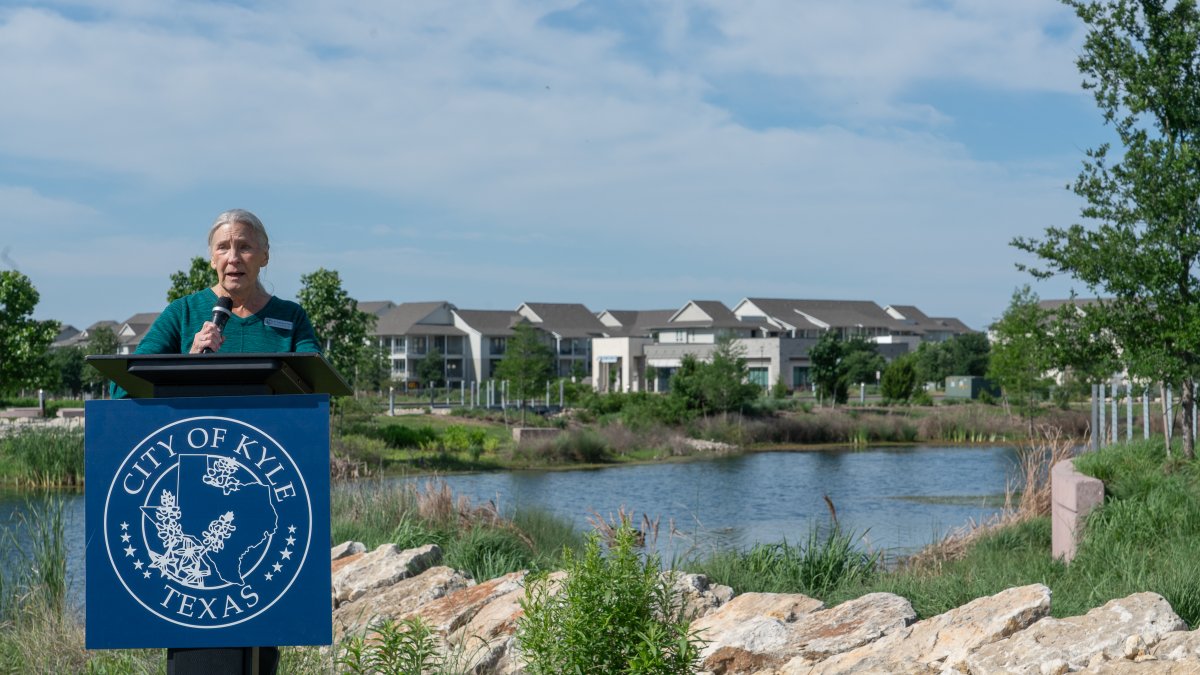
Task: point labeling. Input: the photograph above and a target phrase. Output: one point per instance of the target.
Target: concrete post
(1169, 415)
(1103, 412)
(1146, 414)
(1095, 418)
(1116, 391)
(1128, 411)
(391, 401)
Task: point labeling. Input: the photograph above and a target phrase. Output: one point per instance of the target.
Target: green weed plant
(612, 612)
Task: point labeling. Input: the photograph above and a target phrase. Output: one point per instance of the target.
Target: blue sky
(623, 154)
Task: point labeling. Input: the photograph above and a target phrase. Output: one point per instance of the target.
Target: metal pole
(1095, 418)
(560, 394)
(391, 401)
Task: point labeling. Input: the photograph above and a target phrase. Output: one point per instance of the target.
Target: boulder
(847, 626)
(748, 633)
(455, 610)
(1177, 646)
(380, 568)
(399, 600)
(488, 636)
(346, 549)
(697, 594)
(1120, 630)
(942, 643)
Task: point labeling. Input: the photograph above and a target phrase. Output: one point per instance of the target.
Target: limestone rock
(455, 610)
(397, 601)
(381, 568)
(847, 626)
(345, 549)
(944, 641)
(698, 595)
(488, 636)
(1103, 630)
(1123, 667)
(1177, 646)
(748, 633)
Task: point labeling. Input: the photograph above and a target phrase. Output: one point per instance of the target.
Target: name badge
(278, 323)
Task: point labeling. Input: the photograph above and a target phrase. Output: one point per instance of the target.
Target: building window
(497, 345)
(398, 345)
(418, 346)
(758, 376)
(454, 369)
(454, 344)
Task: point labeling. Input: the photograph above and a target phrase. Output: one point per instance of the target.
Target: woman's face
(237, 256)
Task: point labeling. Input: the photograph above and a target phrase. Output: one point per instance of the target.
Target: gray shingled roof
(375, 307)
(836, 313)
(490, 322)
(952, 324)
(403, 320)
(570, 320)
(638, 322)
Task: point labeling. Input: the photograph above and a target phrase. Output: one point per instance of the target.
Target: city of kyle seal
(207, 526)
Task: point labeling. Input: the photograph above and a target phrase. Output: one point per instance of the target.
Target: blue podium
(207, 508)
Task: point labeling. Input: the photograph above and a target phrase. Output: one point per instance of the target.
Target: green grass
(827, 561)
(1145, 537)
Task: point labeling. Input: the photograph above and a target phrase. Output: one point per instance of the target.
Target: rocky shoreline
(779, 633)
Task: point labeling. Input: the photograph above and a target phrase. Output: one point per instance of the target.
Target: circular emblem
(207, 522)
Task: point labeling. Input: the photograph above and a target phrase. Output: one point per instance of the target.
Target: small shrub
(643, 629)
(393, 648)
(922, 397)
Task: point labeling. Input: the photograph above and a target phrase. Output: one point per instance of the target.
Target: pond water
(899, 499)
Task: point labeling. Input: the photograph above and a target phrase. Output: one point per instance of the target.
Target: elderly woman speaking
(238, 249)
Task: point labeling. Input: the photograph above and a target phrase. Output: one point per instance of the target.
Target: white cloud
(518, 136)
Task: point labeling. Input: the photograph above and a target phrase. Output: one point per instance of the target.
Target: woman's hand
(209, 336)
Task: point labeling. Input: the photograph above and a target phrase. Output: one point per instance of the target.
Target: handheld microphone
(220, 315)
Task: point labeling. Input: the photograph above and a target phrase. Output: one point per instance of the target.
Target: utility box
(970, 387)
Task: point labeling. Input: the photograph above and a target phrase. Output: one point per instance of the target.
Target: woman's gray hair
(243, 217)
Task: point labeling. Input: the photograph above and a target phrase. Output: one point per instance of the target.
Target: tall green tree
(23, 340)
(724, 381)
(68, 369)
(899, 379)
(827, 374)
(527, 365)
(1022, 353)
(341, 327)
(200, 275)
(101, 340)
(1140, 246)
(860, 362)
(431, 371)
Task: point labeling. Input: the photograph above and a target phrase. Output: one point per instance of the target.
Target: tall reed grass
(475, 538)
(829, 559)
(42, 458)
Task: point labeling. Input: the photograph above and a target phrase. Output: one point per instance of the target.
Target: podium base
(232, 660)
